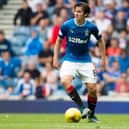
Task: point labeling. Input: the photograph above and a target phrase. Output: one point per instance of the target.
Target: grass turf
(56, 121)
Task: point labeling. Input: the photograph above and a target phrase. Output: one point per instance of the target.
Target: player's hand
(56, 63)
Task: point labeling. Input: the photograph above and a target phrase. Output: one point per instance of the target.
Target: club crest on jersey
(71, 31)
(86, 32)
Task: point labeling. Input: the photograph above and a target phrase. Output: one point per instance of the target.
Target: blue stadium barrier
(43, 106)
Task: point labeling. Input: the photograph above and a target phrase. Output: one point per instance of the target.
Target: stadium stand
(112, 18)
(7, 14)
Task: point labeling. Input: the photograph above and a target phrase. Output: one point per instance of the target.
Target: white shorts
(86, 71)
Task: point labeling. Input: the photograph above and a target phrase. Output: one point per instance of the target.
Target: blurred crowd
(2, 3)
(26, 69)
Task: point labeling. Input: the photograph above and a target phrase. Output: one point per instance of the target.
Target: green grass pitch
(56, 121)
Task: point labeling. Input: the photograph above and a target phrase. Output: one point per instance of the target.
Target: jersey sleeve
(62, 31)
(95, 32)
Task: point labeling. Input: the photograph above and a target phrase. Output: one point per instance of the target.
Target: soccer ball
(72, 115)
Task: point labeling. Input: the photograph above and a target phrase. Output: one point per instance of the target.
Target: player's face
(79, 13)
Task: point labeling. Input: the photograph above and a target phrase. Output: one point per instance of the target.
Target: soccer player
(77, 59)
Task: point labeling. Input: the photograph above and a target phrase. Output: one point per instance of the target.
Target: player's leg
(92, 101)
(72, 92)
(88, 75)
(67, 72)
(70, 89)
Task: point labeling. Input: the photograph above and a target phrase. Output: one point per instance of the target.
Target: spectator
(123, 60)
(39, 14)
(119, 21)
(33, 4)
(59, 4)
(123, 42)
(93, 7)
(49, 6)
(110, 9)
(113, 49)
(118, 3)
(70, 8)
(111, 33)
(44, 29)
(39, 93)
(55, 31)
(23, 15)
(125, 8)
(25, 87)
(49, 3)
(122, 87)
(9, 68)
(101, 19)
(55, 13)
(34, 44)
(111, 77)
(5, 45)
(34, 72)
(99, 4)
(50, 76)
(3, 2)
(30, 67)
(45, 55)
(63, 13)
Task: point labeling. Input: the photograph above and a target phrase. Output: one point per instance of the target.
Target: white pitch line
(63, 127)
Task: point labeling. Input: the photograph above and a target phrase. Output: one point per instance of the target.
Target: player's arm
(56, 52)
(101, 44)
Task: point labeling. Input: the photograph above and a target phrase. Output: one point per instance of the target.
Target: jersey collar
(78, 24)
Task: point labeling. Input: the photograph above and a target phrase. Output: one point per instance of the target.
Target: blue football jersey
(77, 40)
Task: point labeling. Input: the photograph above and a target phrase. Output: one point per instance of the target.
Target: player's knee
(92, 90)
(65, 82)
